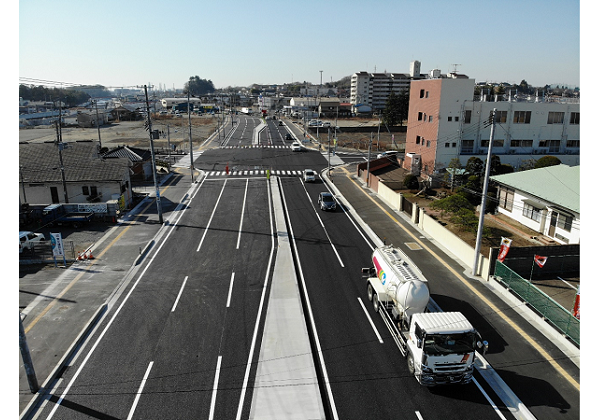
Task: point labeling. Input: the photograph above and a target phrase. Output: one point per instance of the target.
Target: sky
(238, 43)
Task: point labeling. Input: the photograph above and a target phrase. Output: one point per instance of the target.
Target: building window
(449, 119)
(522, 117)
(531, 212)
(428, 143)
(418, 139)
(506, 197)
(565, 222)
(552, 145)
(427, 94)
(497, 143)
(85, 190)
(521, 143)
(431, 118)
(422, 93)
(468, 116)
(574, 118)
(556, 117)
(420, 117)
(572, 143)
(500, 116)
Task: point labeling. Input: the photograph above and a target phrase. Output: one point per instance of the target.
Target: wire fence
(547, 307)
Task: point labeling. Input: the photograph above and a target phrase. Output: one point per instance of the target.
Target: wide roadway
(179, 345)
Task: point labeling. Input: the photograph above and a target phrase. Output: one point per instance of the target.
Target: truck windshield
(436, 344)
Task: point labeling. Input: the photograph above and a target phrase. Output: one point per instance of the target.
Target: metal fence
(41, 252)
(541, 302)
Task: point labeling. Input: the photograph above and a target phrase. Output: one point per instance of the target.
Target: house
(141, 161)
(446, 121)
(86, 176)
(546, 200)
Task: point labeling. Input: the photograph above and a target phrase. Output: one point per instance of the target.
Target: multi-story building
(373, 89)
(447, 121)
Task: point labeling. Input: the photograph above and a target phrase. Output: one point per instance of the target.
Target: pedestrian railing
(547, 307)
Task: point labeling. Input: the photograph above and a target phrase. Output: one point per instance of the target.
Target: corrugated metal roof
(557, 184)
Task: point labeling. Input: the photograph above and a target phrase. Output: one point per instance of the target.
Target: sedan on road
(326, 201)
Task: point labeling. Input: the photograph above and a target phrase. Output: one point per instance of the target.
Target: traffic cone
(84, 256)
(79, 256)
(91, 257)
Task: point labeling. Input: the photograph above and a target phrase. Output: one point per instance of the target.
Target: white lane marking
(487, 397)
(230, 289)
(139, 392)
(211, 216)
(213, 399)
(242, 217)
(179, 295)
(370, 320)
(260, 309)
(67, 389)
(418, 414)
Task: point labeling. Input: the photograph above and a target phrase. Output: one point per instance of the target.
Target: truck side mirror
(419, 343)
(483, 345)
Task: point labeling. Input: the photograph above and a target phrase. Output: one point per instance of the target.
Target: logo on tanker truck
(380, 272)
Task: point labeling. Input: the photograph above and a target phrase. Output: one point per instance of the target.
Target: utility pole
(190, 132)
(149, 127)
(369, 161)
(31, 377)
(98, 125)
(484, 195)
(60, 145)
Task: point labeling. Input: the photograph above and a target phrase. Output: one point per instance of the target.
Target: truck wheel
(375, 302)
(410, 361)
(370, 292)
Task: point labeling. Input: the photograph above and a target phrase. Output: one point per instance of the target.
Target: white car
(387, 154)
(28, 239)
(309, 175)
(296, 147)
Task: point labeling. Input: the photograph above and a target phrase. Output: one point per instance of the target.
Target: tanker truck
(439, 347)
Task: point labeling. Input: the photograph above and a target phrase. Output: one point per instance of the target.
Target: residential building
(88, 178)
(546, 200)
(373, 89)
(446, 121)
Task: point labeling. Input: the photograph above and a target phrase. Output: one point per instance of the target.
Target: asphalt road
(180, 341)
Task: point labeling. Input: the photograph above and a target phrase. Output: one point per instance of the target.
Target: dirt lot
(131, 133)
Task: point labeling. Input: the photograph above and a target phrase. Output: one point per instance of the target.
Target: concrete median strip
(286, 383)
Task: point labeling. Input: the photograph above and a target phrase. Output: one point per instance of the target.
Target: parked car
(309, 175)
(27, 240)
(280, 122)
(288, 136)
(296, 147)
(389, 153)
(326, 201)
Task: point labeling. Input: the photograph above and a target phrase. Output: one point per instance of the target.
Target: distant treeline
(68, 96)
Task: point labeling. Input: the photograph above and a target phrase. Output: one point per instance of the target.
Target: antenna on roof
(455, 67)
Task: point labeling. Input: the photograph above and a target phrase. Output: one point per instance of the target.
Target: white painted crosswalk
(255, 172)
(255, 146)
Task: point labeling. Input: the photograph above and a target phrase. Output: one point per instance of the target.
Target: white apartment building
(373, 89)
(445, 121)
